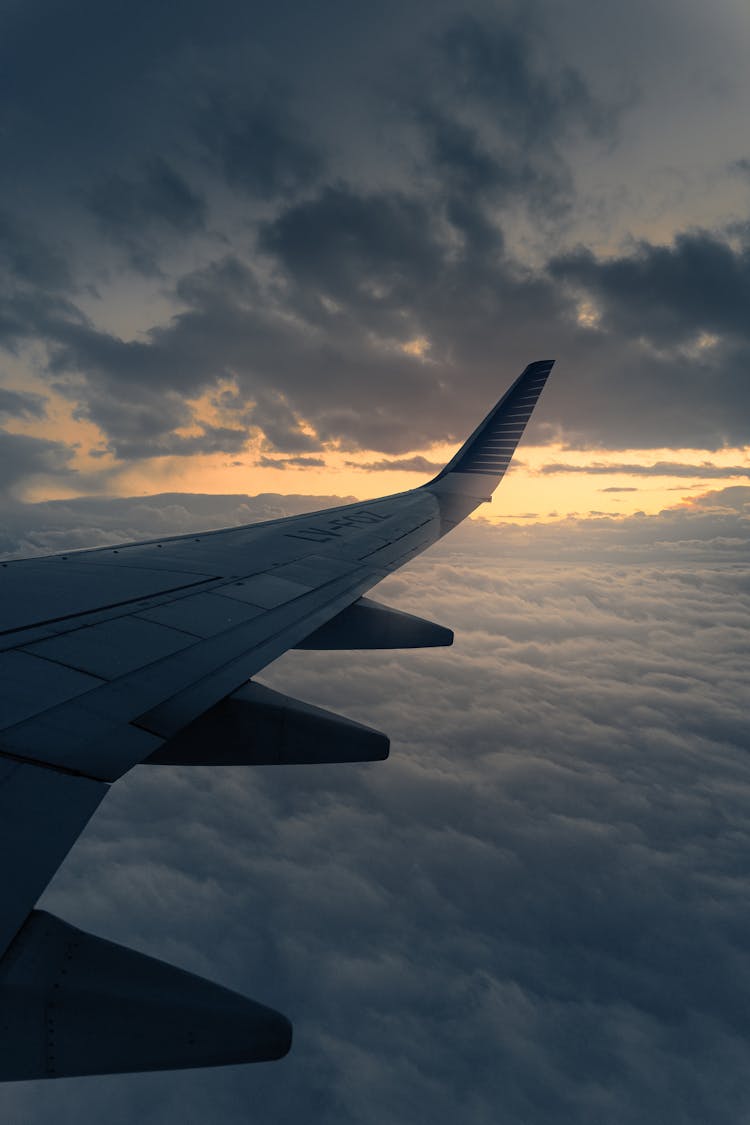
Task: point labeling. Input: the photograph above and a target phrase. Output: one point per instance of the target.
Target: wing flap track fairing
(259, 727)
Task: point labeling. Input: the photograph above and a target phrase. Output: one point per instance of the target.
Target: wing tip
(489, 449)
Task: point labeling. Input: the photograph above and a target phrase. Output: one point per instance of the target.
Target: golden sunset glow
(416, 347)
(587, 314)
(545, 484)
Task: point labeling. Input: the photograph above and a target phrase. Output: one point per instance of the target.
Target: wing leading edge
(143, 653)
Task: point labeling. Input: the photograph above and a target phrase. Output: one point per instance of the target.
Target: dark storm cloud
(210, 439)
(398, 464)
(168, 361)
(259, 150)
(317, 363)
(375, 177)
(356, 271)
(135, 390)
(162, 197)
(352, 270)
(22, 457)
(535, 910)
(219, 284)
(140, 417)
(35, 284)
(280, 424)
(470, 169)
(495, 63)
(21, 404)
(360, 266)
(381, 258)
(291, 462)
(667, 294)
(501, 115)
(80, 83)
(359, 247)
(458, 152)
(27, 259)
(135, 213)
(658, 469)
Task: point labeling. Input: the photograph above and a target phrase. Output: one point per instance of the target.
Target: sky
(306, 250)
(257, 260)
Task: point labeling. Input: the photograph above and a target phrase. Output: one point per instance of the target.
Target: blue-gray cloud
(535, 909)
(291, 462)
(306, 202)
(138, 213)
(668, 294)
(21, 404)
(22, 456)
(705, 469)
(259, 150)
(397, 464)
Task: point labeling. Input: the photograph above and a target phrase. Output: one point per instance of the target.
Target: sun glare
(587, 315)
(418, 347)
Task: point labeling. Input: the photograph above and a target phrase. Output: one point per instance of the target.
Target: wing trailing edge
(76, 1004)
(257, 726)
(42, 813)
(366, 624)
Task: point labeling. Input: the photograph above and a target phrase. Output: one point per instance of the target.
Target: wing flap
(366, 624)
(94, 733)
(256, 726)
(76, 1004)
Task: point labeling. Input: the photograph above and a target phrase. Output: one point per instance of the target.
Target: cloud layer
(535, 909)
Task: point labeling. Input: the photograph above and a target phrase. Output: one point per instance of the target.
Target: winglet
(480, 464)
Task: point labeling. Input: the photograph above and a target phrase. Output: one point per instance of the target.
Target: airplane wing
(145, 653)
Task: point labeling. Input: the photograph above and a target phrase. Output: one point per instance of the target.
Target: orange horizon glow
(596, 483)
(526, 494)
